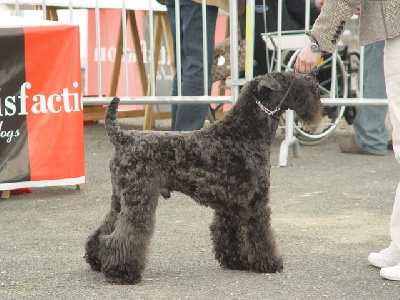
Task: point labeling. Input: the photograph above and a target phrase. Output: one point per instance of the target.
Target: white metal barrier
(153, 7)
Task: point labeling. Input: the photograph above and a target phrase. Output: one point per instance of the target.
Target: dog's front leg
(257, 241)
(225, 241)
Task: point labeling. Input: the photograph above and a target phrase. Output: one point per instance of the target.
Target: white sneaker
(383, 259)
(391, 273)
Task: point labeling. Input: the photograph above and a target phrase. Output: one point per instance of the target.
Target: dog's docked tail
(113, 131)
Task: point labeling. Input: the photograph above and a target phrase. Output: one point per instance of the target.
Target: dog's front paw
(268, 266)
(93, 261)
(165, 192)
(117, 263)
(92, 248)
(121, 275)
(233, 265)
(232, 262)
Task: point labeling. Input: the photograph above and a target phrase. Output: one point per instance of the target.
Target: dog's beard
(311, 124)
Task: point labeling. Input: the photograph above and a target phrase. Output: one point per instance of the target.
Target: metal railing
(152, 7)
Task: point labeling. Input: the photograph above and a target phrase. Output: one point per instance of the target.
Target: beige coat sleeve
(331, 23)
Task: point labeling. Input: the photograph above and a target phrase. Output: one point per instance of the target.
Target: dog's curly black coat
(224, 166)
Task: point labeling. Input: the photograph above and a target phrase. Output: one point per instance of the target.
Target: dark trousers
(187, 117)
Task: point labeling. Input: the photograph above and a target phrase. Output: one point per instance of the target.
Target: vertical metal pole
(152, 62)
(205, 52)
(278, 51)
(361, 73)
(250, 16)
(44, 9)
(178, 46)
(307, 16)
(71, 15)
(98, 45)
(307, 19)
(17, 11)
(290, 139)
(233, 32)
(334, 72)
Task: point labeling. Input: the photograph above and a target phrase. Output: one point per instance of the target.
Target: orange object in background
(41, 115)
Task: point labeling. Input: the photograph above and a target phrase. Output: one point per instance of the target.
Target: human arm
(326, 32)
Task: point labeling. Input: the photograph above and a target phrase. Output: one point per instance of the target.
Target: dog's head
(281, 91)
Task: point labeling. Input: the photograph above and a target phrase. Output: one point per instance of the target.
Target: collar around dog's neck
(278, 107)
(267, 111)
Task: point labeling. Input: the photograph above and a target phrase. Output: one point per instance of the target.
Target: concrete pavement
(330, 210)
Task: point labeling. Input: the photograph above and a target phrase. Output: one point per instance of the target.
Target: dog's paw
(93, 261)
(92, 248)
(232, 264)
(117, 264)
(122, 275)
(268, 266)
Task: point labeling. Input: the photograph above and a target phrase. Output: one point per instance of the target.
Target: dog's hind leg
(124, 252)
(225, 243)
(92, 245)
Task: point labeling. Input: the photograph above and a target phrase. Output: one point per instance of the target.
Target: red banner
(41, 116)
(110, 20)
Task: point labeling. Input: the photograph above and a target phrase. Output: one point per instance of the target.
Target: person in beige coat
(379, 20)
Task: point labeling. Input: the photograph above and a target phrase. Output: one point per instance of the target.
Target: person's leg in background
(391, 255)
(187, 117)
(370, 132)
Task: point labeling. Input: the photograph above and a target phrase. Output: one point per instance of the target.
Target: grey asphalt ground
(330, 210)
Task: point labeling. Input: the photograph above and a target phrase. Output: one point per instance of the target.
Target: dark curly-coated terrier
(224, 166)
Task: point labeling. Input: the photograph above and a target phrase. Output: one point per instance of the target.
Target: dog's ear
(269, 82)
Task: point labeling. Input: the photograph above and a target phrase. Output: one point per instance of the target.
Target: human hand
(306, 61)
(358, 10)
